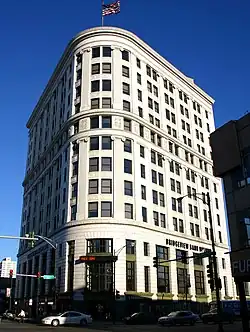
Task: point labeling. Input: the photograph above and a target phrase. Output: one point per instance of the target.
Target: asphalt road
(108, 327)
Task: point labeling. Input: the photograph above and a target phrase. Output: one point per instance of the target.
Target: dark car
(140, 318)
(179, 318)
(212, 316)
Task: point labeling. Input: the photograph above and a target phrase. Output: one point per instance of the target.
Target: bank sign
(240, 262)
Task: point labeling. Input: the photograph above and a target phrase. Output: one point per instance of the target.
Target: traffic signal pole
(11, 286)
(214, 258)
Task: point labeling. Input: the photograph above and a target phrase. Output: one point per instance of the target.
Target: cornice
(114, 32)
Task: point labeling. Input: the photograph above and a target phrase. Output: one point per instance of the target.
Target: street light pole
(216, 276)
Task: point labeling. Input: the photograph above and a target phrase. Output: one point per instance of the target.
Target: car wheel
(83, 322)
(55, 322)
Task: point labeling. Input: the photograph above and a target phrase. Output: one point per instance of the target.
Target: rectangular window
(225, 285)
(146, 279)
(148, 69)
(181, 226)
(142, 151)
(143, 172)
(182, 281)
(106, 164)
(128, 166)
(207, 233)
(220, 236)
(130, 276)
(106, 85)
(197, 230)
(106, 209)
(128, 209)
(128, 145)
(199, 282)
(125, 88)
(162, 252)
(150, 103)
(94, 143)
(93, 209)
(95, 52)
(163, 281)
(143, 192)
(127, 124)
(144, 214)
(163, 220)
(95, 69)
(128, 188)
(155, 196)
(93, 186)
(175, 224)
(156, 218)
(154, 176)
(140, 111)
(162, 199)
(138, 78)
(139, 93)
(106, 68)
(223, 263)
(146, 248)
(95, 103)
(94, 122)
(126, 105)
(106, 102)
(125, 71)
(106, 122)
(174, 204)
(125, 55)
(192, 229)
(106, 186)
(218, 220)
(95, 86)
(93, 164)
(138, 62)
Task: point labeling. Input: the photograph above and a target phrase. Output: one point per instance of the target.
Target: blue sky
(206, 39)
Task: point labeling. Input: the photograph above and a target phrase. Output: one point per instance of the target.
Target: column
(85, 86)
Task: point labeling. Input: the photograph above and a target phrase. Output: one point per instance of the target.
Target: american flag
(112, 8)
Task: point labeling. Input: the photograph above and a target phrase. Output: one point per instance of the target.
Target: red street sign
(87, 258)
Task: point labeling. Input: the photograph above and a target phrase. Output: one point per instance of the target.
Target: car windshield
(172, 314)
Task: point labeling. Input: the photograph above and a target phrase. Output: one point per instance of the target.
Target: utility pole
(11, 286)
(214, 258)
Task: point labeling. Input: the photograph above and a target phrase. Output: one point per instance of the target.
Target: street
(106, 327)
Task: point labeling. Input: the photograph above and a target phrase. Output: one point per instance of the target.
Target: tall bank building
(117, 136)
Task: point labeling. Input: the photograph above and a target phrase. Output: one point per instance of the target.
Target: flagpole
(102, 14)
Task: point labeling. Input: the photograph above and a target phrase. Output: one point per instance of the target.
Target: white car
(68, 318)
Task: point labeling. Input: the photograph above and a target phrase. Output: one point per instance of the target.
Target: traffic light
(32, 242)
(155, 262)
(210, 275)
(117, 295)
(11, 273)
(38, 275)
(184, 259)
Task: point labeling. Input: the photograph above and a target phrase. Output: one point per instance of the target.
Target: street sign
(48, 276)
(204, 254)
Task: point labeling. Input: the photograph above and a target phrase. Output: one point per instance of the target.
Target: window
(94, 122)
(215, 187)
(178, 187)
(95, 52)
(138, 78)
(95, 86)
(218, 220)
(106, 164)
(196, 212)
(146, 278)
(143, 192)
(197, 230)
(128, 188)
(106, 68)
(106, 186)
(99, 246)
(163, 281)
(156, 218)
(207, 233)
(140, 112)
(106, 122)
(154, 176)
(126, 105)
(181, 226)
(106, 143)
(162, 252)
(205, 215)
(142, 151)
(143, 173)
(163, 220)
(106, 51)
(93, 209)
(125, 55)
(160, 178)
(171, 102)
(95, 103)
(126, 88)
(93, 164)
(155, 89)
(125, 71)
(146, 248)
(174, 204)
(175, 224)
(130, 276)
(157, 123)
(156, 106)
(73, 212)
(223, 263)
(216, 203)
(93, 186)
(144, 214)
(148, 69)
(128, 145)
(128, 166)
(162, 199)
(106, 85)
(192, 229)
(225, 285)
(138, 62)
(128, 209)
(106, 209)
(155, 196)
(220, 236)
(95, 69)
(179, 204)
(106, 102)
(172, 184)
(94, 143)
(182, 280)
(139, 95)
(127, 124)
(154, 75)
(199, 282)
(149, 86)
(150, 103)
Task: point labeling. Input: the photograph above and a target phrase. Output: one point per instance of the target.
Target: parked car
(8, 314)
(140, 318)
(68, 318)
(179, 317)
(212, 316)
